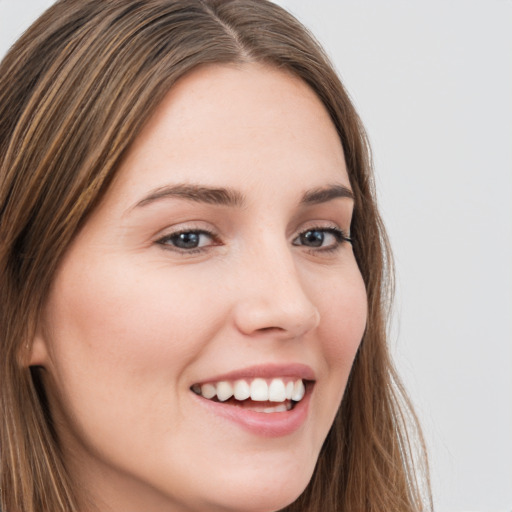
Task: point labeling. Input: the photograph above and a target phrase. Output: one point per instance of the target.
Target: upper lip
(265, 371)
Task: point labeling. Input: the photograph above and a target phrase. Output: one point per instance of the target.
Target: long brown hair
(75, 91)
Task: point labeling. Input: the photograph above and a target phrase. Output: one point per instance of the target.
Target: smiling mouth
(258, 395)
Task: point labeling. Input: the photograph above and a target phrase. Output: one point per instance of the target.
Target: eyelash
(167, 240)
(164, 241)
(336, 232)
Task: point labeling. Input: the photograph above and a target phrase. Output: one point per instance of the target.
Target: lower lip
(271, 424)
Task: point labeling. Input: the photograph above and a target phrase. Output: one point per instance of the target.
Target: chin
(262, 500)
(267, 492)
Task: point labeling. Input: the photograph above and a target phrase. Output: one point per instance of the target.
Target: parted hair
(75, 91)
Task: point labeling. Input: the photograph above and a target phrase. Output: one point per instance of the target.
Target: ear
(37, 351)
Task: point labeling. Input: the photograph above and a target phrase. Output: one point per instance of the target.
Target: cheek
(119, 335)
(121, 339)
(344, 314)
(121, 316)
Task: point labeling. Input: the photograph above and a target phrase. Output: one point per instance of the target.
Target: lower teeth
(277, 408)
(266, 407)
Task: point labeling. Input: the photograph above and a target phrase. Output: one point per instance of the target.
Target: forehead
(236, 124)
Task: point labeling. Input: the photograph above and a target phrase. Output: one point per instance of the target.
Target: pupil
(313, 238)
(187, 240)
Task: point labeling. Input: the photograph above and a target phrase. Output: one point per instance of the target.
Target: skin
(132, 321)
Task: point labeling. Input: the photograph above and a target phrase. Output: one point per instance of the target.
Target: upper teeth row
(258, 390)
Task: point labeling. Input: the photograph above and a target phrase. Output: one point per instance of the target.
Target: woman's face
(217, 263)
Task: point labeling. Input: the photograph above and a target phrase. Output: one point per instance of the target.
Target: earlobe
(36, 352)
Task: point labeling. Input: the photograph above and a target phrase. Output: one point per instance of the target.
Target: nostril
(269, 329)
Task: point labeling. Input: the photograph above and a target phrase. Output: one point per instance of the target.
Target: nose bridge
(275, 297)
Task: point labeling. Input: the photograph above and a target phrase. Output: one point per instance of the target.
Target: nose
(273, 298)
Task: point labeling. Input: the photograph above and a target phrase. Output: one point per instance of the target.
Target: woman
(194, 272)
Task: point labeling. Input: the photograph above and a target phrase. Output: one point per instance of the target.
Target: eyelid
(183, 231)
(187, 226)
(336, 231)
(166, 235)
(165, 238)
(322, 226)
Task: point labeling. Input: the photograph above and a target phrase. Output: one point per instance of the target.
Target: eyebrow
(230, 197)
(324, 194)
(197, 193)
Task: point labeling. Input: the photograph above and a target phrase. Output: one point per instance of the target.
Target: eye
(188, 240)
(322, 238)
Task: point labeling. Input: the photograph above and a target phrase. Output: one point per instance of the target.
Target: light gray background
(433, 84)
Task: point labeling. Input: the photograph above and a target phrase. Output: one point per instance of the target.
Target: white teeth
(277, 391)
(289, 390)
(208, 390)
(298, 390)
(242, 390)
(224, 391)
(259, 390)
(276, 408)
